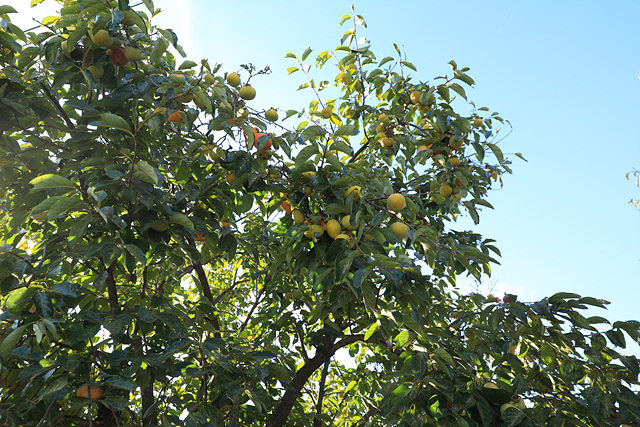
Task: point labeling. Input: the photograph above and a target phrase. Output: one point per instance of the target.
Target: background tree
(172, 256)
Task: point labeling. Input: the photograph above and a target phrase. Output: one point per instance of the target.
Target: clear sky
(565, 74)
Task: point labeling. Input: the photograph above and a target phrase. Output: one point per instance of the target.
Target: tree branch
(323, 354)
(111, 288)
(317, 422)
(45, 249)
(370, 413)
(56, 104)
(206, 289)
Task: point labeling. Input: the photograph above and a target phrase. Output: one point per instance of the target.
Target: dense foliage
(198, 262)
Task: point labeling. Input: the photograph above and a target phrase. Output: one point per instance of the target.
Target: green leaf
(113, 121)
(158, 50)
(443, 355)
(344, 130)
(444, 93)
(136, 252)
(520, 155)
(292, 70)
(53, 386)
(458, 89)
(593, 301)
(312, 132)
(48, 181)
(560, 296)
(385, 60)
(145, 172)
(122, 384)
(305, 154)
(79, 105)
(512, 416)
(183, 220)
(345, 18)
(9, 342)
(27, 55)
(616, 337)
(342, 147)
(463, 77)
(497, 152)
(65, 289)
(76, 35)
(64, 205)
(548, 354)
(419, 363)
(597, 319)
(306, 53)
(371, 330)
(412, 324)
(409, 65)
(7, 9)
(186, 65)
(149, 5)
(402, 338)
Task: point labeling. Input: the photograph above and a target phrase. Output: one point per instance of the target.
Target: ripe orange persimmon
(286, 206)
(118, 57)
(91, 392)
(175, 117)
(256, 136)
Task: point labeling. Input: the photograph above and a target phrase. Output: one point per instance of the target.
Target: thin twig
(58, 107)
(45, 249)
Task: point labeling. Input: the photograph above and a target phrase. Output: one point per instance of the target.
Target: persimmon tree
(171, 255)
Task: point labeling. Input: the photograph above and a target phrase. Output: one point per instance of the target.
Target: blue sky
(565, 74)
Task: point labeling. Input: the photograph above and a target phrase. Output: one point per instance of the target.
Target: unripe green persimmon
(333, 228)
(298, 216)
(347, 238)
(326, 112)
(355, 189)
(271, 115)
(96, 70)
(247, 92)
(346, 223)
(208, 79)
(274, 173)
(102, 38)
(386, 142)
(416, 96)
(307, 175)
(314, 230)
(161, 226)
(400, 230)
(18, 299)
(396, 202)
(133, 54)
(116, 43)
(446, 190)
(506, 406)
(233, 79)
